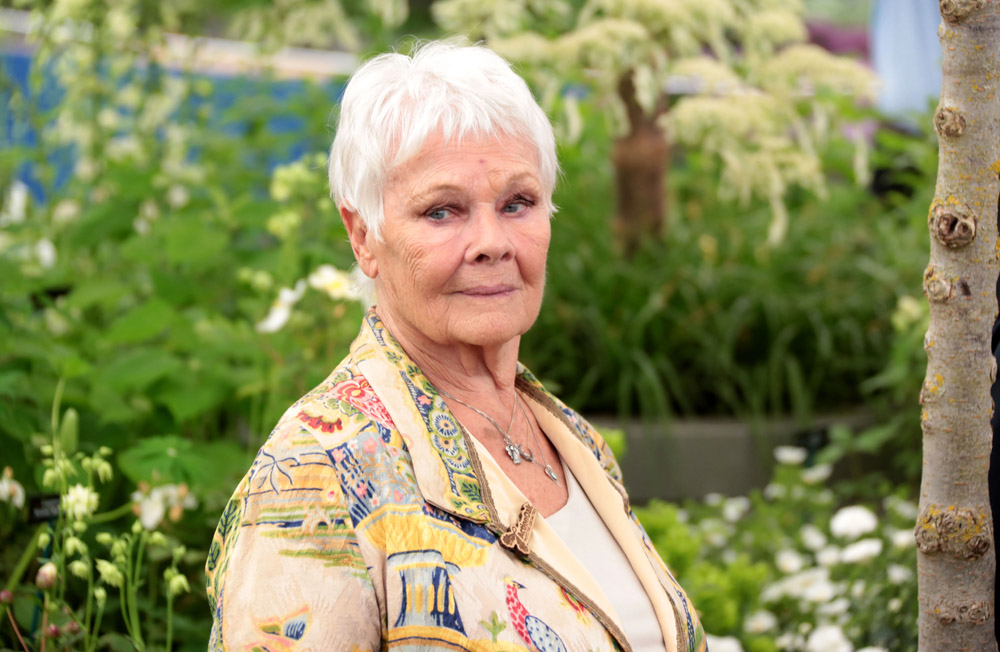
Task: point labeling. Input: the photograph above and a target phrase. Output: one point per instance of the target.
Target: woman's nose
(490, 235)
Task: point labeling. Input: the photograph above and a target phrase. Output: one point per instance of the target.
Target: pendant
(526, 453)
(514, 452)
(552, 474)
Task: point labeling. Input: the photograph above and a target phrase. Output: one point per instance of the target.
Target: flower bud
(178, 584)
(105, 538)
(43, 540)
(74, 546)
(72, 627)
(110, 574)
(136, 527)
(52, 631)
(79, 527)
(100, 595)
(105, 451)
(6, 597)
(79, 568)
(157, 539)
(46, 577)
(47, 449)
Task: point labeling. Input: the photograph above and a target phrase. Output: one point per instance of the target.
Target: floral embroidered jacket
(370, 521)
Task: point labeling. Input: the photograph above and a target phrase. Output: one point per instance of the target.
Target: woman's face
(464, 241)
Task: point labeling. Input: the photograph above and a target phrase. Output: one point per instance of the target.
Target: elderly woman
(431, 494)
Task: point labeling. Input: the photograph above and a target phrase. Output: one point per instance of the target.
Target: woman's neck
(482, 375)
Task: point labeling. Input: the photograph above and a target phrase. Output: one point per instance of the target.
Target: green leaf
(189, 400)
(141, 323)
(212, 466)
(191, 240)
(135, 370)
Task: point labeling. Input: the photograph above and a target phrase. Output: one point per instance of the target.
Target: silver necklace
(516, 452)
(541, 451)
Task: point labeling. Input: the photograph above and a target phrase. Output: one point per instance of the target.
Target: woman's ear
(360, 237)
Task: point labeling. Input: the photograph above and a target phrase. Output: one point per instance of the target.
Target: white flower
(861, 551)
(904, 508)
(334, 282)
(858, 589)
(80, 502)
(723, 643)
(903, 539)
(812, 584)
(828, 556)
(817, 474)
(733, 509)
(11, 490)
(899, 574)
(281, 309)
(46, 253)
(168, 499)
(790, 455)
(852, 522)
(775, 491)
(15, 205)
(714, 499)
(828, 638)
(894, 605)
(834, 608)
(812, 537)
(760, 621)
(178, 196)
(789, 561)
(65, 211)
(873, 648)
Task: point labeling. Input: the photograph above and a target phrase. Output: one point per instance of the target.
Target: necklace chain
(516, 452)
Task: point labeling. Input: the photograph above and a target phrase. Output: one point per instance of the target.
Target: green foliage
(711, 321)
(772, 569)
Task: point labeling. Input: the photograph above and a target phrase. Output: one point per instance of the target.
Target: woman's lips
(488, 290)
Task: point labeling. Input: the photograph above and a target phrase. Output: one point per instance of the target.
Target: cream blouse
(584, 533)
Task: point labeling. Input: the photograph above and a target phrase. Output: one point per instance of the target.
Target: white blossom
(335, 283)
(861, 551)
(872, 648)
(858, 589)
(11, 490)
(15, 205)
(816, 474)
(828, 556)
(903, 539)
(714, 499)
(723, 643)
(828, 638)
(46, 253)
(812, 537)
(80, 502)
(734, 508)
(794, 455)
(789, 561)
(760, 621)
(775, 491)
(281, 309)
(65, 211)
(906, 509)
(894, 605)
(178, 196)
(898, 574)
(169, 499)
(852, 522)
(812, 585)
(834, 608)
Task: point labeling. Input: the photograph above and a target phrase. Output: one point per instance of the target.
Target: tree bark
(955, 558)
(640, 162)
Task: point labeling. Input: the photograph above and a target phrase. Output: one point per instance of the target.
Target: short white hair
(393, 103)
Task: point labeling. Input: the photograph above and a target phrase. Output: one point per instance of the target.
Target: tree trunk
(640, 161)
(955, 560)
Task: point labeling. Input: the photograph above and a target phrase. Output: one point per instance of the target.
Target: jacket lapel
(441, 460)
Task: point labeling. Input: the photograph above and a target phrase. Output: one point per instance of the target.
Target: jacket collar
(442, 462)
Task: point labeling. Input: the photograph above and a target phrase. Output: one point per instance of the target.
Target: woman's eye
(438, 213)
(517, 205)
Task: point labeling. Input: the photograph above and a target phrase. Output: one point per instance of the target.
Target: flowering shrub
(786, 569)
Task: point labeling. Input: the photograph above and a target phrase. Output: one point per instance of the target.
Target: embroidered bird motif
(532, 630)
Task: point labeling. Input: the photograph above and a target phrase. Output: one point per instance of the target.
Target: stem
(22, 563)
(170, 620)
(45, 622)
(88, 611)
(56, 401)
(92, 643)
(134, 589)
(111, 514)
(13, 623)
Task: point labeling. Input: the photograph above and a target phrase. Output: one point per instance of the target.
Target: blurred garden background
(173, 275)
